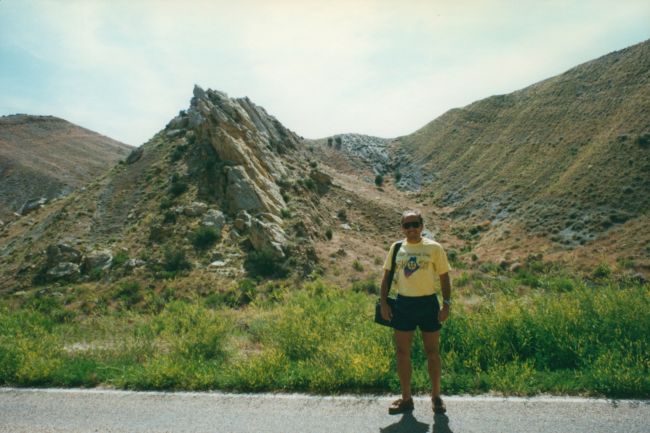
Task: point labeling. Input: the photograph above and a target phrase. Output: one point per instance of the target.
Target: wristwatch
(447, 302)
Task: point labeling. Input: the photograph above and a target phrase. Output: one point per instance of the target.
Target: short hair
(412, 212)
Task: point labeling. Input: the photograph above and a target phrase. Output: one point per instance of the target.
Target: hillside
(46, 157)
(225, 192)
(561, 167)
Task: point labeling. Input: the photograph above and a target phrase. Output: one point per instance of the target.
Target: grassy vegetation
(539, 330)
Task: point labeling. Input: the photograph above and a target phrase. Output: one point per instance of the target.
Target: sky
(124, 68)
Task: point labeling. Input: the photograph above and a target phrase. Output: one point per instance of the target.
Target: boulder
(197, 208)
(60, 253)
(98, 259)
(243, 221)
(173, 133)
(215, 219)
(268, 237)
(135, 155)
(322, 180)
(134, 263)
(178, 122)
(32, 205)
(64, 270)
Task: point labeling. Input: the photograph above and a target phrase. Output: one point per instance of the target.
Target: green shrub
(120, 258)
(176, 260)
(602, 271)
(379, 180)
(357, 266)
(265, 264)
(204, 237)
(178, 152)
(369, 286)
(177, 186)
(129, 292)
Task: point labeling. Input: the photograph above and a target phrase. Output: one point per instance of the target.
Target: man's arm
(386, 312)
(445, 285)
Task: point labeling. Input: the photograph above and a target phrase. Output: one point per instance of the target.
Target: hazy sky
(124, 68)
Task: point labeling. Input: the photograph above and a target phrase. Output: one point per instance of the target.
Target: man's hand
(386, 311)
(443, 314)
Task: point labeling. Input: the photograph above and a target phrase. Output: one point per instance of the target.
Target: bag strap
(391, 274)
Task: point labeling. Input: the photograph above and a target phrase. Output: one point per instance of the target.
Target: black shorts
(412, 312)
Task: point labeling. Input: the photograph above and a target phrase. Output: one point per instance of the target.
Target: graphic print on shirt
(411, 267)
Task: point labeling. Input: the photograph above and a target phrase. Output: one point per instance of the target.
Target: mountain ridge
(224, 191)
(46, 157)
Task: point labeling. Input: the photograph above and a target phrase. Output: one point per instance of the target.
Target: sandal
(401, 406)
(438, 405)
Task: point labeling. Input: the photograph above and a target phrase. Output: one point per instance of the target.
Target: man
(419, 264)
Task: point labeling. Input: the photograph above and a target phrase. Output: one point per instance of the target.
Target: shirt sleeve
(440, 261)
(389, 258)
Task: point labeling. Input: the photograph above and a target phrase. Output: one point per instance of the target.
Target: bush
(204, 237)
(175, 260)
(177, 186)
(129, 292)
(178, 153)
(379, 180)
(120, 258)
(265, 264)
(602, 271)
(369, 286)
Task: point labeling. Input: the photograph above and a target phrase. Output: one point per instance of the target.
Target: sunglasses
(411, 225)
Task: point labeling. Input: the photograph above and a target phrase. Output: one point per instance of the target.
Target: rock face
(100, 259)
(64, 270)
(61, 253)
(268, 237)
(32, 205)
(215, 219)
(251, 146)
(195, 209)
(250, 140)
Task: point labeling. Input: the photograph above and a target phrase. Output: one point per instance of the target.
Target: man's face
(412, 228)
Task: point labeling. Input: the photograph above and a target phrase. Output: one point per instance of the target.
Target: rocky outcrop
(249, 140)
(268, 237)
(99, 259)
(195, 209)
(64, 270)
(215, 219)
(60, 253)
(135, 155)
(32, 205)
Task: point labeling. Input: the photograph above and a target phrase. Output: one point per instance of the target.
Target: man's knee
(403, 352)
(432, 353)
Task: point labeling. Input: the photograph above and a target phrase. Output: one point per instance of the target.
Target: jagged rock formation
(212, 187)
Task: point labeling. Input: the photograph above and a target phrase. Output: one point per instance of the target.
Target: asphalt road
(58, 410)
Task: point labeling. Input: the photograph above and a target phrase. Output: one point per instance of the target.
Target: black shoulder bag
(391, 301)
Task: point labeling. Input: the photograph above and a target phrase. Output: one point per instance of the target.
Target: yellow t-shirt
(417, 267)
